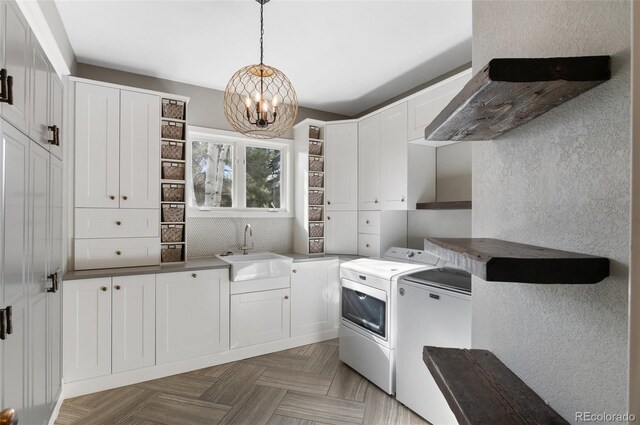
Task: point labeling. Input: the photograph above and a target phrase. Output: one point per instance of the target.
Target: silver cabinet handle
(118, 252)
(103, 288)
(117, 287)
(286, 297)
(125, 197)
(112, 197)
(118, 222)
(194, 275)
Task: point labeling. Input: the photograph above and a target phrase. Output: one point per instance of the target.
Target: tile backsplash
(208, 236)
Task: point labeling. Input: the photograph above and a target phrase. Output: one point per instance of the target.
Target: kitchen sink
(261, 265)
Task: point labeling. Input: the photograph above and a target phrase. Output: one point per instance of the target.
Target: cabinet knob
(118, 252)
(328, 217)
(376, 201)
(112, 197)
(402, 199)
(194, 275)
(367, 245)
(294, 271)
(286, 297)
(103, 288)
(367, 222)
(328, 202)
(117, 287)
(125, 197)
(118, 222)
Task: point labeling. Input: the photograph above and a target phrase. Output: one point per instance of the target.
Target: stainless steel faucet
(245, 248)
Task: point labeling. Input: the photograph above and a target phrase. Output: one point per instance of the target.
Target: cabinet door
(259, 317)
(14, 166)
(341, 166)
(39, 95)
(139, 150)
(369, 163)
(55, 265)
(423, 108)
(16, 62)
(192, 314)
(97, 128)
(314, 297)
(393, 169)
(56, 93)
(87, 328)
(134, 322)
(341, 232)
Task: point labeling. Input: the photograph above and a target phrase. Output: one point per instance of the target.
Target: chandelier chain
(261, 33)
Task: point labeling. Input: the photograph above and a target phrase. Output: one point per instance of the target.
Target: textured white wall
(560, 181)
(453, 172)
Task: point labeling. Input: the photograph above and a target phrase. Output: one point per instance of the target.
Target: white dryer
(369, 310)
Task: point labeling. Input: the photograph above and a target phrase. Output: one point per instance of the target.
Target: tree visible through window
(212, 172)
(264, 177)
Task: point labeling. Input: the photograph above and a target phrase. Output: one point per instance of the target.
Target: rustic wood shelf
(501, 261)
(480, 389)
(510, 92)
(452, 205)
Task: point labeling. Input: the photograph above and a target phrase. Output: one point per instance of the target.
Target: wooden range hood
(510, 92)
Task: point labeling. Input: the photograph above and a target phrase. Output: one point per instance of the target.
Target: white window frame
(239, 143)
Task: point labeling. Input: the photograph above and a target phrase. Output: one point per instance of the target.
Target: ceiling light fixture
(259, 100)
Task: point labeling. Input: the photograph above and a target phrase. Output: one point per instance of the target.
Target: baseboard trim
(56, 409)
(101, 383)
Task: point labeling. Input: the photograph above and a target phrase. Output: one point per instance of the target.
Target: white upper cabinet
(394, 160)
(97, 139)
(39, 99)
(15, 59)
(139, 150)
(341, 166)
(426, 106)
(369, 163)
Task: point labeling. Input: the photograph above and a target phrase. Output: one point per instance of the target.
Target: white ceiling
(341, 56)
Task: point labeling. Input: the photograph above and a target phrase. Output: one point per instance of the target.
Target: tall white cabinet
(117, 146)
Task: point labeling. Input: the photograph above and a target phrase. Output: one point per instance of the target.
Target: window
(231, 175)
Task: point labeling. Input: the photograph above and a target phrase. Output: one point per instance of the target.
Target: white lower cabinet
(315, 295)
(109, 325)
(87, 328)
(133, 322)
(192, 314)
(259, 317)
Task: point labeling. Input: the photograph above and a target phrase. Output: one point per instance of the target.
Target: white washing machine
(368, 323)
(434, 308)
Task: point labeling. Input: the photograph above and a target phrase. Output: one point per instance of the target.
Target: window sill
(195, 212)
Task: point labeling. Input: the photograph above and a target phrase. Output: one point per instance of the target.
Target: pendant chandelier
(259, 100)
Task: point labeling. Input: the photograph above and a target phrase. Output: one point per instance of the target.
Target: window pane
(264, 172)
(212, 172)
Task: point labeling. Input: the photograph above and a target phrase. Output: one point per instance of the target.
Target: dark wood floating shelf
(510, 92)
(480, 389)
(453, 205)
(501, 261)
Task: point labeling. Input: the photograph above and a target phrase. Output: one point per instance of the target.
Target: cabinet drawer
(116, 223)
(124, 252)
(369, 222)
(198, 275)
(368, 245)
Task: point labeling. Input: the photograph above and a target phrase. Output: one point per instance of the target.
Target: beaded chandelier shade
(259, 100)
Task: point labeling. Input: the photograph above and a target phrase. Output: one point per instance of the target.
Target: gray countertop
(190, 265)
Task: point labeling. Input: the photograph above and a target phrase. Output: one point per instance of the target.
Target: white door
(314, 297)
(38, 281)
(14, 166)
(87, 328)
(394, 163)
(341, 232)
(341, 166)
(56, 94)
(16, 62)
(369, 163)
(259, 317)
(192, 314)
(39, 98)
(55, 265)
(97, 136)
(139, 150)
(133, 322)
